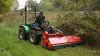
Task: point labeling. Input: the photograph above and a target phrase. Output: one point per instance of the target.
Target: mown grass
(10, 45)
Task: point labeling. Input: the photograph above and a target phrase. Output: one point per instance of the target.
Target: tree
(31, 3)
(56, 3)
(95, 4)
(74, 5)
(15, 5)
(46, 5)
(5, 5)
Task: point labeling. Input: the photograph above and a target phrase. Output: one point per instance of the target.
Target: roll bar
(26, 13)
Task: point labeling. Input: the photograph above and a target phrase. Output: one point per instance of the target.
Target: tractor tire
(22, 34)
(34, 38)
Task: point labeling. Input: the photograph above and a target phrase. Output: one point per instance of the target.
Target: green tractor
(30, 31)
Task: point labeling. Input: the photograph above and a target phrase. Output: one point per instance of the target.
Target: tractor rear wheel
(34, 38)
(22, 34)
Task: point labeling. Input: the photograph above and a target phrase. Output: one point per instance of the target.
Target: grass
(10, 45)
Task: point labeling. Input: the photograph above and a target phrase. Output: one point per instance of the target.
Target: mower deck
(64, 40)
(55, 41)
(58, 42)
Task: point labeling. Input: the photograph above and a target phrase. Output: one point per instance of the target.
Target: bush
(85, 26)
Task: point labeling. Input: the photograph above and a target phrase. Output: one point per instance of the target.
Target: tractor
(50, 37)
(30, 31)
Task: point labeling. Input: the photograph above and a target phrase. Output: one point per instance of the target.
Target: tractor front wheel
(22, 34)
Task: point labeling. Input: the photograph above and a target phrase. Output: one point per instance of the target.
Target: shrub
(85, 26)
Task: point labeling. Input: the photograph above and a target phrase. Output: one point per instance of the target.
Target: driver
(40, 17)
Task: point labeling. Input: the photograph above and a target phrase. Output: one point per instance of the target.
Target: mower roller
(49, 36)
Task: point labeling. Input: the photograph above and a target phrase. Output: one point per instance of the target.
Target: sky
(22, 3)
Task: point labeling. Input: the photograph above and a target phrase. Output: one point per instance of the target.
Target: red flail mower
(58, 40)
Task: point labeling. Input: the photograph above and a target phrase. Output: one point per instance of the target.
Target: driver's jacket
(39, 19)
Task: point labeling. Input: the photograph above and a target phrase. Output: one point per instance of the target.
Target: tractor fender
(27, 30)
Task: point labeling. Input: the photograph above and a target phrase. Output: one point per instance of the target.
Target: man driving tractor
(40, 17)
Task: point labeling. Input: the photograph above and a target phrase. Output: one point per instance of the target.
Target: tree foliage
(15, 5)
(46, 5)
(56, 3)
(31, 3)
(70, 4)
(5, 5)
(95, 4)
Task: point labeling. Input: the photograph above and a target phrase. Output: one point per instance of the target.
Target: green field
(10, 45)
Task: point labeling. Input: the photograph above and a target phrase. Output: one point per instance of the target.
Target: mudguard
(26, 28)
